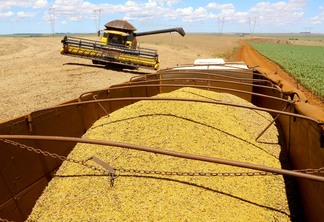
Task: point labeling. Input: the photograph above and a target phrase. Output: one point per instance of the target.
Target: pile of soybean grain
(77, 193)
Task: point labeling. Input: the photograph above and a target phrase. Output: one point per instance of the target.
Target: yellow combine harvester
(118, 46)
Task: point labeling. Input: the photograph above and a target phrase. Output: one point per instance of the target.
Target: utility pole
(52, 19)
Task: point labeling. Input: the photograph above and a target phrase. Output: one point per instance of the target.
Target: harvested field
(34, 75)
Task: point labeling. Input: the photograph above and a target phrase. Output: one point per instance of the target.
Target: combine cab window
(116, 39)
(105, 35)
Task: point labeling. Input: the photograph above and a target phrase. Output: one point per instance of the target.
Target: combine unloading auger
(178, 30)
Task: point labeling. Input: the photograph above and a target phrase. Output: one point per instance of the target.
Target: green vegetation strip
(304, 63)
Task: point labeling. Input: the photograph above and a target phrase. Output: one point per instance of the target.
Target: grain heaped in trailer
(192, 141)
(77, 193)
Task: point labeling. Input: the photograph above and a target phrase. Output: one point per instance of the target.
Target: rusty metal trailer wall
(306, 150)
(304, 143)
(24, 174)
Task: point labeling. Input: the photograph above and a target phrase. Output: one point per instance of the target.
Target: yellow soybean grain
(79, 194)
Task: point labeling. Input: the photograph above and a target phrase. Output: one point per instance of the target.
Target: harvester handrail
(215, 72)
(137, 78)
(169, 153)
(208, 65)
(158, 75)
(194, 86)
(78, 38)
(183, 100)
(140, 83)
(201, 80)
(222, 75)
(236, 70)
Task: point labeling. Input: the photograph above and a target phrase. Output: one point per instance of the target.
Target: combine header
(117, 46)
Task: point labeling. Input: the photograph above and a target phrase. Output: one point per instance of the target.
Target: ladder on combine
(112, 53)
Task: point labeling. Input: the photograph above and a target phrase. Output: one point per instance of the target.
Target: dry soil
(34, 75)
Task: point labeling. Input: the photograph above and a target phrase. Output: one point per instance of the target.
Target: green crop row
(304, 63)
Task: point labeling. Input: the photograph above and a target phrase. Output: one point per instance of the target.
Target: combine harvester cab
(117, 46)
(33, 146)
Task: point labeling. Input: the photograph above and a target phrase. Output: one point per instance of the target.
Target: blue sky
(80, 16)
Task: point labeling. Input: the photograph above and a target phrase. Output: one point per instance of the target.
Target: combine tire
(95, 62)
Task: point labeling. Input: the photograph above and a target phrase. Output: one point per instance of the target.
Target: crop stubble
(34, 75)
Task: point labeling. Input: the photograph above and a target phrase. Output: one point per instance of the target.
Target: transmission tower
(97, 16)
(220, 25)
(252, 22)
(51, 12)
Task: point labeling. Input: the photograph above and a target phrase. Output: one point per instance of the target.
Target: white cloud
(319, 19)
(225, 9)
(164, 2)
(140, 11)
(220, 7)
(151, 3)
(40, 4)
(7, 8)
(131, 4)
(6, 14)
(241, 17)
(21, 15)
(72, 10)
(185, 11)
(132, 10)
(297, 4)
(279, 13)
(8, 4)
(265, 12)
